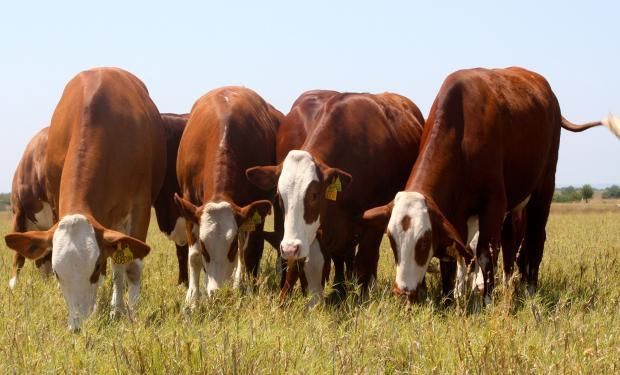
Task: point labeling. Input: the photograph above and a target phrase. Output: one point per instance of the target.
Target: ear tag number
(250, 224)
(331, 193)
(122, 256)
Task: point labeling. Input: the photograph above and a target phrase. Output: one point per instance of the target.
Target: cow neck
(439, 175)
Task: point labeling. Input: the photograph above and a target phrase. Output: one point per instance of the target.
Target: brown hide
(106, 154)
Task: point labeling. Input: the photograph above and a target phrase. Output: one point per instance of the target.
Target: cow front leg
(18, 264)
(117, 306)
(488, 244)
(313, 269)
(194, 268)
(134, 278)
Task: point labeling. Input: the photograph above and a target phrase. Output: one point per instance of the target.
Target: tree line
(586, 192)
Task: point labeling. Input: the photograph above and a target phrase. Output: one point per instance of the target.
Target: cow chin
(74, 259)
(218, 230)
(217, 274)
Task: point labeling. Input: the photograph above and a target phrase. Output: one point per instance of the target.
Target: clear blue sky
(280, 49)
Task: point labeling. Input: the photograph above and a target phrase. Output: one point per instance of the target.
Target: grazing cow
(375, 139)
(169, 217)
(105, 165)
(229, 130)
(295, 127)
(490, 148)
(29, 202)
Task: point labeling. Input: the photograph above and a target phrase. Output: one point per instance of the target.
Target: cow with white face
(357, 155)
(489, 149)
(229, 129)
(104, 167)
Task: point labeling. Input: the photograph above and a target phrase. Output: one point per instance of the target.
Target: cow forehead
(298, 171)
(218, 218)
(410, 208)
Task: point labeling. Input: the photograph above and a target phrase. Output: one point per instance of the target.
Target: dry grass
(572, 325)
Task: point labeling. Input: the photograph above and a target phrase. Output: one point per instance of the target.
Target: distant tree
(567, 194)
(612, 192)
(587, 192)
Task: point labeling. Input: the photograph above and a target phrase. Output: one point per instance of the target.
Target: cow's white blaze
(178, 235)
(218, 230)
(298, 171)
(409, 274)
(74, 258)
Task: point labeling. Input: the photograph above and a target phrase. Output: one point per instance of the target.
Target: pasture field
(571, 326)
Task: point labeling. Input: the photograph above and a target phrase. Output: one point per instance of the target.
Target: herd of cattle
(339, 170)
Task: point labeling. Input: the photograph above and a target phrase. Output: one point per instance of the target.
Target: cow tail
(611, 122)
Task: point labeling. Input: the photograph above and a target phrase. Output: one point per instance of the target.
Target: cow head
(306, 187)
(81, 248)
(414, 227)
(214, 229)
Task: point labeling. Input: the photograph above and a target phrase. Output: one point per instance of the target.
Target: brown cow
(374, 138)
(229, 130)
(169, 217)
(490, 148)
(105, 165)
(29, 202)
(295, 127)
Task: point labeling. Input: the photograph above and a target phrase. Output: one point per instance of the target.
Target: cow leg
(45, 265)
(134, 280)
(253, 253)
(18, 264)
(313, 269)
(447, 268)
(489, 239)
(508, 247)
(534, 243)
(182, 254)
(339, 284)
(117, 306)
(240, 270)
(367, 258)
(194, 267)
(461, 278)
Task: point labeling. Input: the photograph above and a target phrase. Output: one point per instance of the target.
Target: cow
(292, 133)
(169, 218)
(359, 154)
(29, 202)
(489, 148)
(105, 165)
(229, 130)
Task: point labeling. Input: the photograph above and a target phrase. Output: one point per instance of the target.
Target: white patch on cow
(13, 282)
(45, 217)
(298, 171)
(196, 263)
(218, 230)
(313, 269)
(472, 229)
(74, 257)
(409, 274)
(178, 234)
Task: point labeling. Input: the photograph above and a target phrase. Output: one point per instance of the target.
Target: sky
(280, 49)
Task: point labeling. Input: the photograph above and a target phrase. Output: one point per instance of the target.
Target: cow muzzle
(290, 251)
(417, 295)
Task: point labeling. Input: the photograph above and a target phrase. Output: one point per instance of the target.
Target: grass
(572, 325)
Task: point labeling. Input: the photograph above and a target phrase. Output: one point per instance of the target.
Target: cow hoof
(314, 302)
(531, 290)
(116, 314)
(13, 282)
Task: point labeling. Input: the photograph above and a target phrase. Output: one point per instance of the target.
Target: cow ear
(113, 241)
(378, 217)
(188, 210)
(265, 177)
(447, 235)
(32, 245)
(254, 212)
(336, 175)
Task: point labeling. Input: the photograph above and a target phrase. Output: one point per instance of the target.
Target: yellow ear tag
(332, 190)
(122, 256)
(250, 224)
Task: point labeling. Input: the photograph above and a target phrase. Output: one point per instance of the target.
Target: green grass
(572, 325)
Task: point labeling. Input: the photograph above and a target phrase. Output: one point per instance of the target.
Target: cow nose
(289, 251)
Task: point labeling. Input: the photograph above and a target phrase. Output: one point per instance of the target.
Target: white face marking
(178, 234)
(74, 257)
(298, 171)
(218, 230)
(409, 274)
